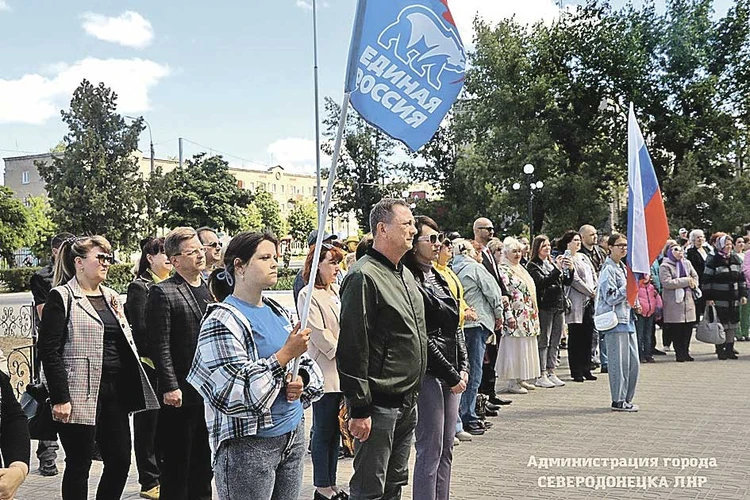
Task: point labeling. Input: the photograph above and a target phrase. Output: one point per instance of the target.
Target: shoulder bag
(710, 330)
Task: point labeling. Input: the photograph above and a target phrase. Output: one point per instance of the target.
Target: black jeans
(145, 442)
(186, 457)
(489, 376)
(112, 432)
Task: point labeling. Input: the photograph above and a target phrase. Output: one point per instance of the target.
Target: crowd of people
(412, 339)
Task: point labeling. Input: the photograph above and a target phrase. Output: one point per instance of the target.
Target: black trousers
(112, 432)
(489, 376)
(186, 457)
(579, 344)
(145, 442)
(680, 333)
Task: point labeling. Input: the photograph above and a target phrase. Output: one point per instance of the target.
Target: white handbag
(605, 321)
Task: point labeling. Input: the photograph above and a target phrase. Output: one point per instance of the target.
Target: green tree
(367, 170)
(95, 186)
(14, 224)
(252, 220)
(302, 219)
(270, 213)
(41, 227)
(202, 193)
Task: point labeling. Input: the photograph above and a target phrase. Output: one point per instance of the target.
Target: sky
(230, 77)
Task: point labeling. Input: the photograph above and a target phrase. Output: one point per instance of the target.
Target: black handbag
(38, 409)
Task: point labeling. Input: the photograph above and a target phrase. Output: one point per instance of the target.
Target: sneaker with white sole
(553, 378)
(515, 388)
(624, 406)
(544, 381)
(527, 385)
(463, 436)
(456, 441)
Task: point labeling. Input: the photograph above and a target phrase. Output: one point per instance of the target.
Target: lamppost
(150, 140)
(528, 169)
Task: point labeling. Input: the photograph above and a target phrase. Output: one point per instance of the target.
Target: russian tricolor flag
(648, 229)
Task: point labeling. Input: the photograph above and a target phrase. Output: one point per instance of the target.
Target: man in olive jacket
(382, 354)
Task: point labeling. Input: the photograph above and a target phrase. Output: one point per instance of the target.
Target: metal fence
(20, 322)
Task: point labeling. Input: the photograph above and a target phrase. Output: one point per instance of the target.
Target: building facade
(287, 188)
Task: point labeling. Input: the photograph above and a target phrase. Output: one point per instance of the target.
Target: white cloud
(129, 28)
(307, 4)
(492, 11)
(297, 155)
(36, 98)
(4, 5)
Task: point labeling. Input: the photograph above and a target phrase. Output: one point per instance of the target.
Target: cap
(312, 238)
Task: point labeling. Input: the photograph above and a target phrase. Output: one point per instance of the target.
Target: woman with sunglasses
(622, 343)
(153, 267)
(323, 321)
(447, 368)
(679, 283)
(93, 370)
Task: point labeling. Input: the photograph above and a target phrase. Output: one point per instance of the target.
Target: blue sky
(232, 76)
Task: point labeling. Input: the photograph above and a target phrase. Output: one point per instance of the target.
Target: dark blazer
(135, 311)
(487, 262)
(549, 285)
(173, 322)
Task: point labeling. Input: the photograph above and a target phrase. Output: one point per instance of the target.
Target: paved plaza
(689, 412)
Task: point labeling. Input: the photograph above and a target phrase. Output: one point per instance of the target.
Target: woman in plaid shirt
(254, 411)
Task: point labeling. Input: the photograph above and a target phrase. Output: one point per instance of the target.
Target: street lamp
(150, 140)
(528, 169)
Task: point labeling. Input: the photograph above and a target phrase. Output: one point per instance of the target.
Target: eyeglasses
(193, 253)
(433, 238)
(214, 244)
(487, 228)
(447, 243)
(621, 245)
(105, 258)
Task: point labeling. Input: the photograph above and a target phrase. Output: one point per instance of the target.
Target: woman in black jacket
(549, 277)
(724, 286)
(14, 441)
(447, 368)
(153, 267)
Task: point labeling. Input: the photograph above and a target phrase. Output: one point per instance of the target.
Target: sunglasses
(105, 258)
(433, 238)
(487, 228)
(215, 244)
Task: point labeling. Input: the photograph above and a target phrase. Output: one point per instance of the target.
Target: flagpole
(317, 105)
(321, 222)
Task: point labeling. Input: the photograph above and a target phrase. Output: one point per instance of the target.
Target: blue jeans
(255, 467)
(476, 339)
(643, 327)
(602, 348)
(622, 348)
(325, 439)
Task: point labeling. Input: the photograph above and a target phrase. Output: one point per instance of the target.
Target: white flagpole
(322, 215)
(317, 102)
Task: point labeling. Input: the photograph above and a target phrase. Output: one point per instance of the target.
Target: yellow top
(457, 289)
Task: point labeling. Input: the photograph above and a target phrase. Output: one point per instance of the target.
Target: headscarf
(719, 245)
(681, 273)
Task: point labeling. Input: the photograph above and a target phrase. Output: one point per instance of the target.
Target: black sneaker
(657, 352)
(624, 406)
(48, 469)
(500, 402)
(474, 428)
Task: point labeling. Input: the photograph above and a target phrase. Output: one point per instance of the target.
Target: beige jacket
(324, 321)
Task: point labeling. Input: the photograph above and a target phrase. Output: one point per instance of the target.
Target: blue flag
(407, 65)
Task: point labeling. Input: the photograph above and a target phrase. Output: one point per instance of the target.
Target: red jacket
(649, 299)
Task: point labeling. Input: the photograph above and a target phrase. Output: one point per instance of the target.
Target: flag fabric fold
(648, 229)
(406, 66)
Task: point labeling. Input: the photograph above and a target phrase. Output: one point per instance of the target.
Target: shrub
(17, 279)
(285, 283)
(119, 277)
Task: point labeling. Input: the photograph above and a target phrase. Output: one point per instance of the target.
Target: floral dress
(522, 304)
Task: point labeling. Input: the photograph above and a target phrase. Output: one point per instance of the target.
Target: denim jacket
(612, 291)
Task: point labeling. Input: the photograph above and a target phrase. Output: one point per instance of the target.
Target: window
(25, 177)
(282, 189)
(241, 184)
(273, 188)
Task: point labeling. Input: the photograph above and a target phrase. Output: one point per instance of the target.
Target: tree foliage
(367, 169)
(202, 193)
(270, 213)
(14, 224)
(301, 220)
(41, 227)
(94, 187)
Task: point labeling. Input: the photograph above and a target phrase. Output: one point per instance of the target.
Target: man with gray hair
(595, 253)
(382, 354)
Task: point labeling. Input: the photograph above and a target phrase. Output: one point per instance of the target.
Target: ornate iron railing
(21, 368)
(17, 321)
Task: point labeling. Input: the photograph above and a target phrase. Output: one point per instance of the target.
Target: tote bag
(710, 330)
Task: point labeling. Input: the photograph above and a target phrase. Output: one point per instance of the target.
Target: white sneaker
(553, 378)
(515, 388)
(527, 386)
(456, 441)
(545, 382)
(463, 436)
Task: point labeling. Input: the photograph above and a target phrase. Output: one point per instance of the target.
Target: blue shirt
(270, 333)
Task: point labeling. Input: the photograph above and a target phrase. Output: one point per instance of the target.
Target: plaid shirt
(237, 385)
